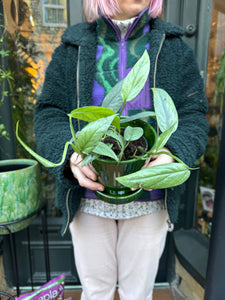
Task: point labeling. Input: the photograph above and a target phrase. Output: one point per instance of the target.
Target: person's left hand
(158, 160)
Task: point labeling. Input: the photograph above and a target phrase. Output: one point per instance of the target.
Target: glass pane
(55, 2)
(215, 95)
(55, 16)
(31, 46)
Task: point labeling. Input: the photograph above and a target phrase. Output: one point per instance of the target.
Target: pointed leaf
(93, 113)
(163, 138)
(141, 115)
(136, 78)
(113, 99)
(39, 158)
(118, 137)
(92, 133)
(104, 149)
(157, 177)
(88, 159)
(165, 109)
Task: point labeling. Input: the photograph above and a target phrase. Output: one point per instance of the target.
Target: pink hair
(110, 7)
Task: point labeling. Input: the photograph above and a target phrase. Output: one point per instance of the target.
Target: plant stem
(124, 103)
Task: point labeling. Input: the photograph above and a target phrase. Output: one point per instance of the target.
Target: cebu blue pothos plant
(106, 121)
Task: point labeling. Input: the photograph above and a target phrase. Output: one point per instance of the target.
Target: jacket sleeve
(51, 123)
(190, 139)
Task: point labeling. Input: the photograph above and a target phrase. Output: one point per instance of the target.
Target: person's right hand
(86, 175)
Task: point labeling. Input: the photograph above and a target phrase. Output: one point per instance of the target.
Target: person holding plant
(118, 243)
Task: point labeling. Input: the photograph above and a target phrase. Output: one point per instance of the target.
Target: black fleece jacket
(173, 68)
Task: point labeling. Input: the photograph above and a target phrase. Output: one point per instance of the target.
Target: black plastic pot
(108, 170)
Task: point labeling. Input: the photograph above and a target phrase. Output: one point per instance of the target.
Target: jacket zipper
(122, 58)
(122, 45)
(78, 85)
(156, 59)
(68, 211)
(78, 125)
(122, 53)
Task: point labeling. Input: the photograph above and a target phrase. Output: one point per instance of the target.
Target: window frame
(54, 6)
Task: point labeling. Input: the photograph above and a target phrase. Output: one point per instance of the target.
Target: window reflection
(54, 13)
(215, 95)
(34, 30)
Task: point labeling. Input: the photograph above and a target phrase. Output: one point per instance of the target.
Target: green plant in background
(209, 164)
(106, 121)
(220, 81)
(208, 168)
(5, 77)
(23, 54)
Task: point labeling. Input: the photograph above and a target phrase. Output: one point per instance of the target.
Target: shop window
(31, 45)
(215, 93)
(54, 13)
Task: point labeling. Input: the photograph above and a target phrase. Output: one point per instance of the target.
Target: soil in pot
(134, 148)
(108, 170)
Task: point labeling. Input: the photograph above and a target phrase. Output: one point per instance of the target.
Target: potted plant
(19, 193)
(106, 123)
(19, 178)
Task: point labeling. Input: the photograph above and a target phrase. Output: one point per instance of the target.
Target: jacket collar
(85, 33)
(109, 30)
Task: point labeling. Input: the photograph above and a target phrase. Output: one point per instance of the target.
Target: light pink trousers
(127, 252)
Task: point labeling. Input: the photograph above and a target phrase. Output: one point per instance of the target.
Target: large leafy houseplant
(19, 178)
(106, 121)
(220, 82)
(5, 76)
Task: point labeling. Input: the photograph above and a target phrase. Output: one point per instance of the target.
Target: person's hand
(86, 175)
(158, 160)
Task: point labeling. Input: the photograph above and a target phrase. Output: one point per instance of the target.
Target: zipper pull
(170, 225)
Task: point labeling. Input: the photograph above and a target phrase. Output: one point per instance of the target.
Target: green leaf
(113, 99)
(5, 93)
(39, 158)
(163, 138)
(92, 133)
(93, 113)
(104, 149)
(136, 78)
(133, 133)
(165, 109)
(157, 177)
(141, 115)
(118, 137)
(88, 159)
(4, 53)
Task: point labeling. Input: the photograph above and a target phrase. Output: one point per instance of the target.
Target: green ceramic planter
(19, 193)
(108, 170)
